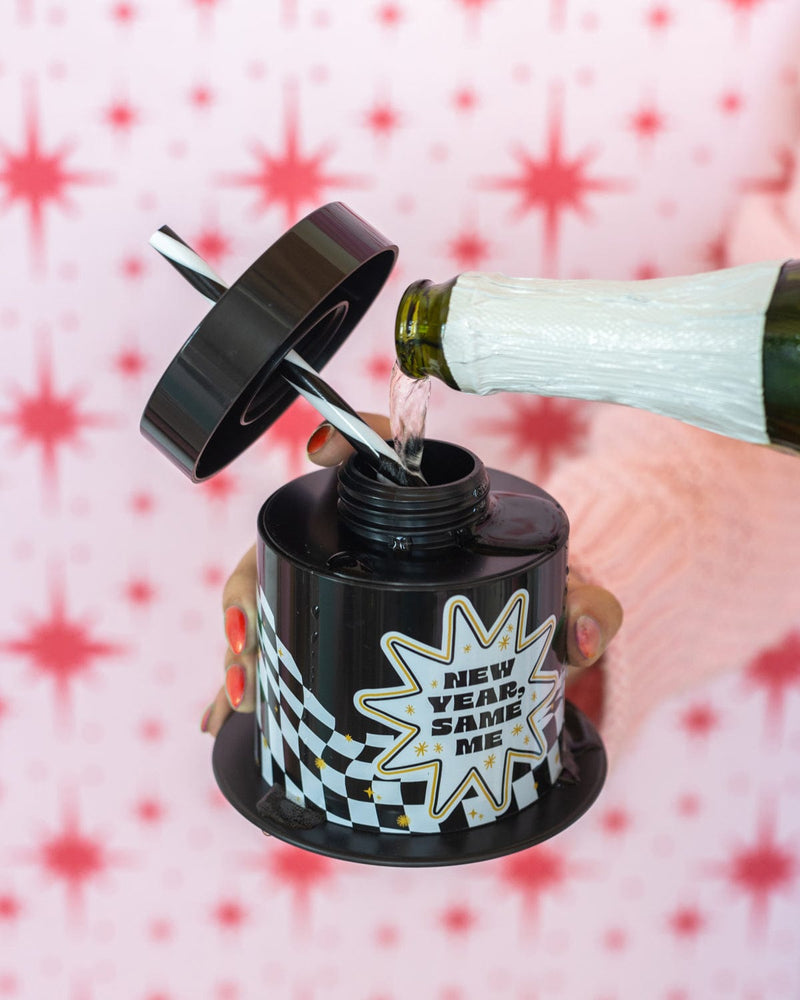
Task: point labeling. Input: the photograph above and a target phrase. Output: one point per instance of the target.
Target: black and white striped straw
(294, 369)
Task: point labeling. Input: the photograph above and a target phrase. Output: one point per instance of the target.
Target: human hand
(594, 615)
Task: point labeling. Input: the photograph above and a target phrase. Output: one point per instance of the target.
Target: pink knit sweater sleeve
(699, 538)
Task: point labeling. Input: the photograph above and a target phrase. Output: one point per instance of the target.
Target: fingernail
(319, 437)
(588, 637)
(205, 719)
(235, 681)
(236, 629)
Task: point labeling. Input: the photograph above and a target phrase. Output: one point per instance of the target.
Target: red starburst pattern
(229, 914)
(759, 870)
(72, 857)
(36, 178)
(387, 935)
(776, 670)
(382, 119)
(120, 116)
(139, 591)
(558, 14)
(615, 821)
(458, 919)
(547, 429)
(212, 244)
(299, 871)
(465, 99)
(49, 421)
(201, 96)
(10, 907)
(743, 6)
(151, 730)
(124, 13)
(615, 939)
(389, 14)
(687, 922)
(60, 648)
(130, 363)
(214, 576)
(468, 249)
(554, 183)
(149, 811)
(688, 805)
(473, 8)
(699, 721)
(659, 17)
(220, 487)
(142, 503)
(731, 102)
(535, 873)
(132, 268)
(646, 123)
(160, 929)
(291, 432)
(291, 178)
(378, 368)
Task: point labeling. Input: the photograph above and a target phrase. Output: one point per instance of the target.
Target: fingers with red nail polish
(327, 447)
(236, 628)
(319, 438)
(235, 684)
(594, 617)
(216, 713)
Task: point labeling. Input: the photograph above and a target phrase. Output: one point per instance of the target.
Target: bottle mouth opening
(410, 516)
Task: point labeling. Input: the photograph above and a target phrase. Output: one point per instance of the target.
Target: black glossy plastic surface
(307, 293)
(243, 787)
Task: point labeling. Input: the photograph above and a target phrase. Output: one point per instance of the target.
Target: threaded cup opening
(429, 516)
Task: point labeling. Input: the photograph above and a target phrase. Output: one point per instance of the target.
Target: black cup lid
(306, 293)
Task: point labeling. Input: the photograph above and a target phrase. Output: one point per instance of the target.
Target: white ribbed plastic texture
(685, 347)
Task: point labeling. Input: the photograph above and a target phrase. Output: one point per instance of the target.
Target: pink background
(569, 138)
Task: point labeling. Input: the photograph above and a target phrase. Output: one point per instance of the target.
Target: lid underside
(306, 293)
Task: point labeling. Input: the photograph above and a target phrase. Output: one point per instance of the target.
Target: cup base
(242, 785)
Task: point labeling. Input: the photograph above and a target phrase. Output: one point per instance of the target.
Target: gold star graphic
(438, 748)
(421, 748)
(403, 820)
(368, 792)
(320, 763)
(409, 709)
(434, 684)
(516, 730)
(503, 642)
(467, 648)
(489, 762)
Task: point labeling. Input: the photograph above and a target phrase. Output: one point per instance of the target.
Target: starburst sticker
(467, 711)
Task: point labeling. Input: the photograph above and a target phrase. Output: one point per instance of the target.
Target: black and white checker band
(305, 752)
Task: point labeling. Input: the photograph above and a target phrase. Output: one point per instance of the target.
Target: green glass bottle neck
(421, 319)
(782, 359)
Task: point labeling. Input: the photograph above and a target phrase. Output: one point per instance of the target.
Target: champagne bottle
(720, 350)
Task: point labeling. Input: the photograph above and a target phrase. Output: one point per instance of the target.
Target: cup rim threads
(425, 517)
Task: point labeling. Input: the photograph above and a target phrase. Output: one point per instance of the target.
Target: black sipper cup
(411, 661)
